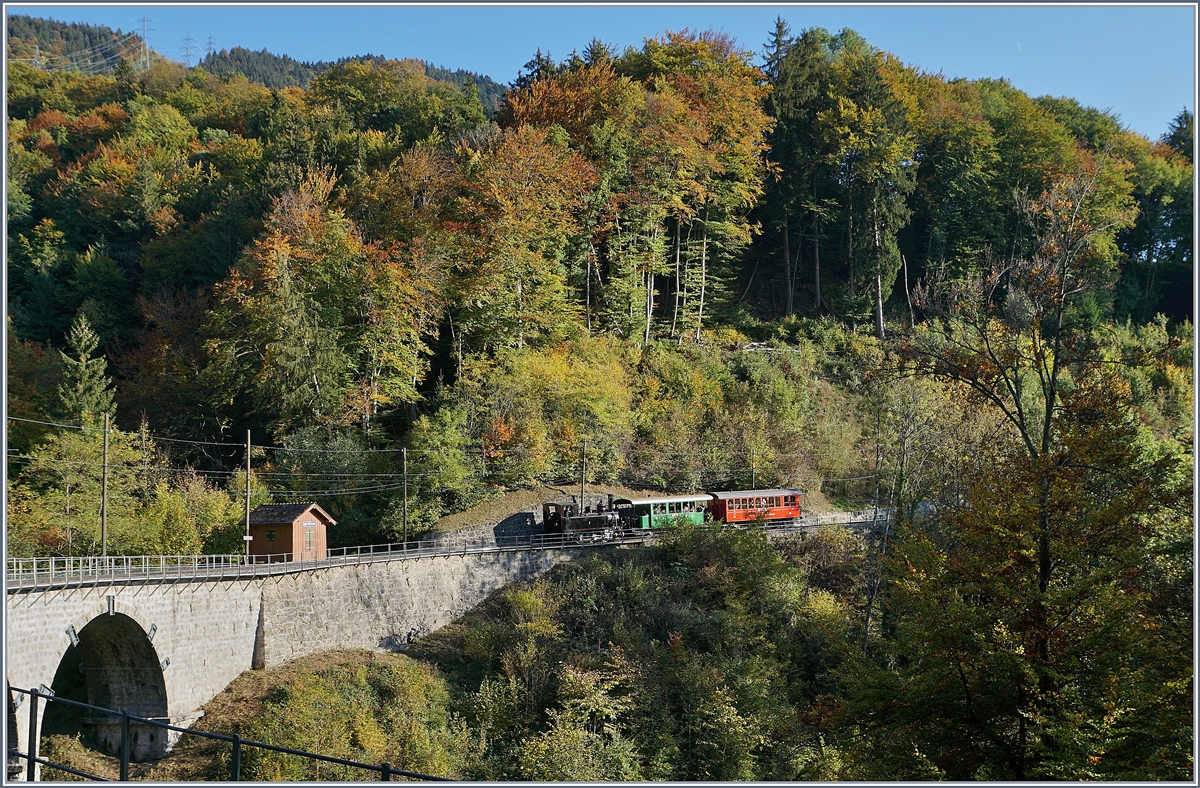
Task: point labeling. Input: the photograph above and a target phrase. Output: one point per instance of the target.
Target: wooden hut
(289, 531)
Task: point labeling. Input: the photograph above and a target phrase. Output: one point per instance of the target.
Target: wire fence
(57, 572)
(385, 770)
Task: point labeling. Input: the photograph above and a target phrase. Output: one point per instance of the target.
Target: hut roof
(286, 513)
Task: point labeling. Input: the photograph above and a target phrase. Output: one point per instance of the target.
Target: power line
(152, 437)
(189, 48)
(146, 30)
(95, 49)
(84, 60)
(469, 452)
(223, 473)
(234, 445)
(283, 476)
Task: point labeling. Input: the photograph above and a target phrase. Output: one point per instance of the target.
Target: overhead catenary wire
(239, 446)
(216, 472)
(152, 437)
(469, 452)
(279, 475)
(332, 484)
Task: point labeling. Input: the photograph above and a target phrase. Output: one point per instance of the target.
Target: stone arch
(114, 666)
(94, 611)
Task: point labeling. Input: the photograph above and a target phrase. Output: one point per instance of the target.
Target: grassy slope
(196, 758)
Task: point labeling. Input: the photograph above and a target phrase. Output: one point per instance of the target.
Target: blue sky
(1137, 61)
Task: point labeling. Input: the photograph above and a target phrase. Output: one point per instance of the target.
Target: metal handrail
(385, 769)
(69, 570)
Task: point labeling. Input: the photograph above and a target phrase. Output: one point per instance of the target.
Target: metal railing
(54, 572)
(23, 573)
(385, 770)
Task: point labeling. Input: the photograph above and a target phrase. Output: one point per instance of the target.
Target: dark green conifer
(85, 393)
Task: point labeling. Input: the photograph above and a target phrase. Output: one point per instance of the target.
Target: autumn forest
(706, 267)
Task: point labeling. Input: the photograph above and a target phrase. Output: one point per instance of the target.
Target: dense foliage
(281, 71)
(59, 45)
(835, 272)
(393, 710)
(722, 656)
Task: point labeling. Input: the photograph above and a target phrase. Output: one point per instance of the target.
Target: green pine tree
(85, 394)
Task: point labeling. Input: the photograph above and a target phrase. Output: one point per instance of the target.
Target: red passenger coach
(748, 506)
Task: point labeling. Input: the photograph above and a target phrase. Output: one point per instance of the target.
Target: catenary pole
(246, 538)
(104, 496)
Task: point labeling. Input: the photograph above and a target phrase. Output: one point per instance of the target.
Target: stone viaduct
(162, 643)
(161, 647)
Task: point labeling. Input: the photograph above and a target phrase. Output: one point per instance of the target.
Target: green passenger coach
(662, 512)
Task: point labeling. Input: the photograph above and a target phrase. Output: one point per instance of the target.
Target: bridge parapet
(26, 574)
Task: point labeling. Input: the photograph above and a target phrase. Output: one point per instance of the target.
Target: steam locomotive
(605, 519)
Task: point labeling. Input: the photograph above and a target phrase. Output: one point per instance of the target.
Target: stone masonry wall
(206, 630)
(212, 631)
(385, 604)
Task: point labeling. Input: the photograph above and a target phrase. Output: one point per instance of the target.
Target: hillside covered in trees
(87, 49)
(712, 656)
(280, 71)
(834, 271)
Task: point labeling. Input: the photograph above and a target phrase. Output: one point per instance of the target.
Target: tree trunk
(749, 282)
(817, 262)
(587, 302)
(649, 305)
(850, 260)
(678, 291)
(878, 277)
(912, 318)
(521, 313)
(703, 275)
(879, 307)
(787, 268)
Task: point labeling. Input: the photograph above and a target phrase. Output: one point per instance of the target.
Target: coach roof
(669, 499)
(724, 496)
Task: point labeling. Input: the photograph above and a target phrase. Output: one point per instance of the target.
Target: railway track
(40, 574)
